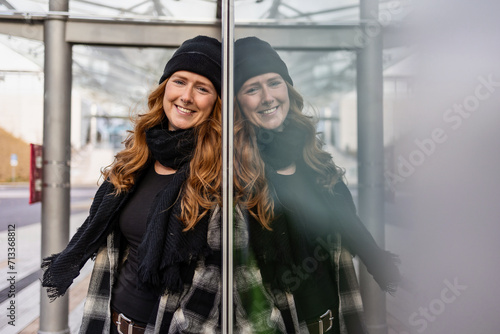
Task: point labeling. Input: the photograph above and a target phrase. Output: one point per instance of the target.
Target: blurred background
(441, 138)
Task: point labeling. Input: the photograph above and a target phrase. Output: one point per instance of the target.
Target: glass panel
(293, 256)
(295, 218)
(284, 238)
(111, 85)
(193, 9)
(147, 9)
(311, 12)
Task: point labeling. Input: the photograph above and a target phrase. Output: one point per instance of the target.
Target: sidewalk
(26, 272)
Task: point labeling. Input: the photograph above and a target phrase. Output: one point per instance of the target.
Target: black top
(127, 298)
(313, 279)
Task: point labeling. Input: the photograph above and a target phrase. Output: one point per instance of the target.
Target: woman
(154, 224)
(302, 224)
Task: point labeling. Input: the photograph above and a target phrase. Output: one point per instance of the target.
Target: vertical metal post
(56, 156)
(227, 164)
(371, 154)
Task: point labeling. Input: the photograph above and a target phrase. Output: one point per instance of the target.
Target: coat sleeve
(198, 308)
(62, 268)
(342, 190)
(381, 264)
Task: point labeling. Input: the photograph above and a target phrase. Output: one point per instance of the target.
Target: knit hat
(200, 55)
(253, 57)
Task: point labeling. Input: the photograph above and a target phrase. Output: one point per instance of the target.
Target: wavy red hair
(202, 187)
(250, 185)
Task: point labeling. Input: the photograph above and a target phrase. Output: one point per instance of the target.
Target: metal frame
(371, 197)
(144, 33)
(56, 158)
(227, 165)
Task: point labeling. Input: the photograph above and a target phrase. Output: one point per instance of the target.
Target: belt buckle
(121, 317)
(330, 317)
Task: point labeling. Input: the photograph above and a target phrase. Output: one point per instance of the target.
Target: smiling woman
(154, 224)
(301, 219)
(189, 100)
(264, 100)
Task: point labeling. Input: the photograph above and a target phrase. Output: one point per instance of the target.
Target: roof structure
(315, 38)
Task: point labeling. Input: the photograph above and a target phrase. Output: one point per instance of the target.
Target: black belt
(125, 325)
(323, 324)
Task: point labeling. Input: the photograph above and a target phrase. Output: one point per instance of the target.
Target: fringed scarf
(330, 212)
(167, 255)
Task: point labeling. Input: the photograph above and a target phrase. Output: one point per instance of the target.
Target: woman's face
(189, 100)
(264, 100)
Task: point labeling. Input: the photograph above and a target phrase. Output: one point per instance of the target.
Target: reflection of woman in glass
(302, 222)
(153, 226)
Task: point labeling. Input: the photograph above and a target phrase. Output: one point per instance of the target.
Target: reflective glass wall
(296, 231)
(295, 109)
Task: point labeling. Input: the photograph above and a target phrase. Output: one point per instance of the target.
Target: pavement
(23, 271)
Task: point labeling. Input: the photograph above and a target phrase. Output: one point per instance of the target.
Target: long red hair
(202, 187)
(250, 185)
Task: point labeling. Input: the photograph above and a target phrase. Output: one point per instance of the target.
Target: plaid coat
(259, 309)
(195, 310)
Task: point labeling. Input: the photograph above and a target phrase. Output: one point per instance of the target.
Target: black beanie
(200, 55)
(252, 57)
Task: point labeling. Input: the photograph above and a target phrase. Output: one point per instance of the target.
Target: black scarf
(280, 148)
(171, 148)
(334, 212)
(167, 254)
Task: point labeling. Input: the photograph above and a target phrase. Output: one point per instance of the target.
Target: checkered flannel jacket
(260, 309)
(195, 310)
